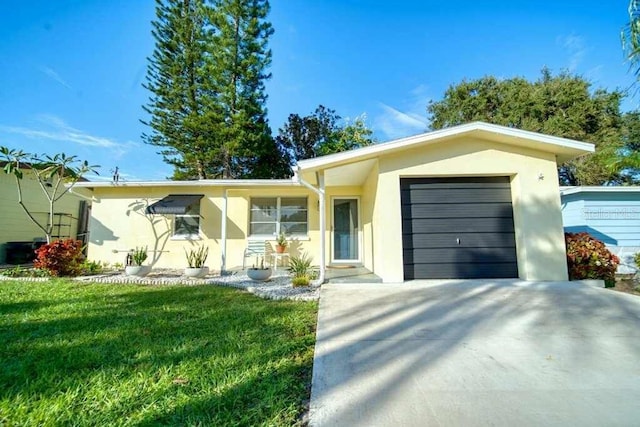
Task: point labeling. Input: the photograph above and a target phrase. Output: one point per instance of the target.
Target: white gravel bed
(277, 287)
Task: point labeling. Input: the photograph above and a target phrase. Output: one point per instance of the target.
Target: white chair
(255, 248)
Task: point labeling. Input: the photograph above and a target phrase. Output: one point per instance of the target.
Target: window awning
(174, 204)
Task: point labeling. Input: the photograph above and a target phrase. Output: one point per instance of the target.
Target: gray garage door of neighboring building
(458, 228)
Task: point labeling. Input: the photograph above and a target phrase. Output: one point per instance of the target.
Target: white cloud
(57, 129)
(395, 124)
(51, 73)
(574, 45)
(410, 119)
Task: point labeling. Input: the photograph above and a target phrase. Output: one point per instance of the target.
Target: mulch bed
(627, 285)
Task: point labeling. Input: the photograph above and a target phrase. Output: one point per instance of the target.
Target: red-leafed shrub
(61, 257)
(589, 258)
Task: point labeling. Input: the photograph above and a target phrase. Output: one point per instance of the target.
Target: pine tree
(207, 76)
(181, 106)
(238, 64)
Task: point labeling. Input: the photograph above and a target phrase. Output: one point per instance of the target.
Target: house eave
(565, 191)
(565, 149)
(226, 183)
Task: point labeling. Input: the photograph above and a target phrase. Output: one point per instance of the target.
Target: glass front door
(346, 240)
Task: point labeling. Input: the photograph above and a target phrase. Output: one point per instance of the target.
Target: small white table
(276, 257)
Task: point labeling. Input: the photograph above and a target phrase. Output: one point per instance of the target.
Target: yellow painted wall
(15, 225)
(118, 223)
(369, 219)
(536, 202)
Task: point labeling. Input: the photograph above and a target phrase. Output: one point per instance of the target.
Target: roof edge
(566, 190)
(192, 183)
(410, 141)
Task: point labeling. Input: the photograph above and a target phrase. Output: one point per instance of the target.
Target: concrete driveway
(462, 353)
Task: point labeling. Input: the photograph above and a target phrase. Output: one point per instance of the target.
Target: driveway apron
(465, 353)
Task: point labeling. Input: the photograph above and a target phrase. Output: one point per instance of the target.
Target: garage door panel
(457, 195)
(418, 185)
(462, 225)
(461, 271)
(459, 255)
(467, 182)
(457, 210)
(467, 240)
(458, 228)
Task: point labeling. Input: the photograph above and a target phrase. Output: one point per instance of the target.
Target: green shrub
(300, 265)
(92, 267)
(636, 259)
(589, 258)
(25, 272)
(197, 257)
(60, 258)
(139, 255)
(300, 281)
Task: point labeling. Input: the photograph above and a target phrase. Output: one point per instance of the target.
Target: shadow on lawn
(21, 307)
(194, 355)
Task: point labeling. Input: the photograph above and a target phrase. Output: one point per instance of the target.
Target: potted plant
(281, 243)
(196, 259)
(260, 273)
(135, 258)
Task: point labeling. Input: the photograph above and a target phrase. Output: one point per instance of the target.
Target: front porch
(350, 274)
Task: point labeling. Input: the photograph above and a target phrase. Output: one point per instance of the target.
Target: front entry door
(346, 230)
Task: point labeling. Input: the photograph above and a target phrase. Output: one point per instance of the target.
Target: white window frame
(196, 236)
(278, 212)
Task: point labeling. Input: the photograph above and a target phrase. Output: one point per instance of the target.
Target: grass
(89, 354)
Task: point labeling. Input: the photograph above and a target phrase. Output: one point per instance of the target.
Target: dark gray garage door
(458, 228)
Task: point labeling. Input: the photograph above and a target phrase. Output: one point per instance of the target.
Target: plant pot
(196, 272)
(259, 274)
(137, 270)
(280, 249)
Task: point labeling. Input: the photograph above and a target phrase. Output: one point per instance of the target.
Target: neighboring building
(610, 214)
(472, 201)
(18, 231)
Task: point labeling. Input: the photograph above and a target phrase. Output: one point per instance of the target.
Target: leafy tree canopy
(55, 175)
(562, 105)
(320, 133)
(630, 157)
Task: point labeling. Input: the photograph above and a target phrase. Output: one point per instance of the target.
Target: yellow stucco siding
(118, 223)
(540, 251)
(16, 225)
(536, 201)
(238, 224)
(369, 191)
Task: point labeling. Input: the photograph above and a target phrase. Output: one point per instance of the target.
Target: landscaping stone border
(278, 287)
(25, 279)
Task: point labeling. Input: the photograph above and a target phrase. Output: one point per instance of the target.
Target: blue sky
(71, 71)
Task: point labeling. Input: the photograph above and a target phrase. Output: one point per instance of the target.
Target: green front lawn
(88, 354)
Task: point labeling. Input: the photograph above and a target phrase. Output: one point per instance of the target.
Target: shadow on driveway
(500, 352)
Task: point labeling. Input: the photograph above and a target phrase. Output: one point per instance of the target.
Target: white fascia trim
(444, 133)
(198, 183)
(565, 191)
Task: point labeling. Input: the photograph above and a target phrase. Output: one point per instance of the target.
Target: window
(272, 215)
(188, 224)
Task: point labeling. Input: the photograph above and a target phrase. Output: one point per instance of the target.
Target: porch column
(323, 227)
(223, 232)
